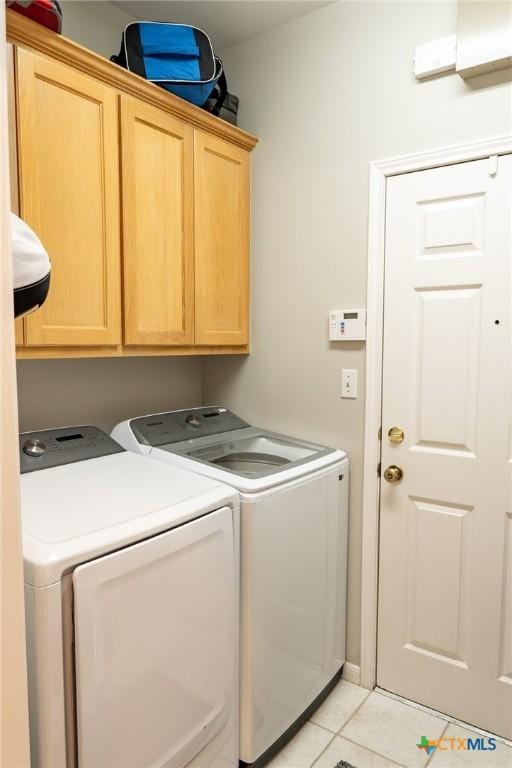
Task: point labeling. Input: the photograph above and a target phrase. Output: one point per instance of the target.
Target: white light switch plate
(349, 383)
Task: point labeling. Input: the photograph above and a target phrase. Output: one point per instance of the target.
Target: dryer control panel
(175, 426)
(52, 447)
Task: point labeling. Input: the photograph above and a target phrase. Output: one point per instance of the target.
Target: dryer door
(156, 647)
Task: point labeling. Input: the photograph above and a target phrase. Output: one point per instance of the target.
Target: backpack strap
(222, 85)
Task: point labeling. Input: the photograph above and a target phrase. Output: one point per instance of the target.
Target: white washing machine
(131, 589)
(294, 499)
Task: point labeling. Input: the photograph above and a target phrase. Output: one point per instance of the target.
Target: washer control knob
(33, 447)
(192, 420)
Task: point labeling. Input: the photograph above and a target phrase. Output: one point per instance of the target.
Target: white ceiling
(226, 21)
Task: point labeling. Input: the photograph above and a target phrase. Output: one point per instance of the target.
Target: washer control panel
(172, 427)
(53, 447)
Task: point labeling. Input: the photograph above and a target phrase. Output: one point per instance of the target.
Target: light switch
(349, 383)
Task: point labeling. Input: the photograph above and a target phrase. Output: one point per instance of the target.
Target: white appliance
(131, 589)
(294, 499)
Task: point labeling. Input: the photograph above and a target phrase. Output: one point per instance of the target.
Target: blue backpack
(177, 57)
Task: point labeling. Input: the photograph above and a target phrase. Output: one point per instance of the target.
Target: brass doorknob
(393, 474)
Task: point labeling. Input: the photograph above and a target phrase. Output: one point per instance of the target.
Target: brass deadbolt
(396, 435)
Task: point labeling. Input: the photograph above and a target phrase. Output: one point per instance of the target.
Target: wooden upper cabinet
(221, 207)
(141, 200)
(69, 190)
(158, 243)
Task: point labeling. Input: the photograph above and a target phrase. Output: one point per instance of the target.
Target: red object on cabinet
(45, 12)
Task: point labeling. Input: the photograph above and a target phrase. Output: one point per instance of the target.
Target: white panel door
(445, 589)
(156, 647)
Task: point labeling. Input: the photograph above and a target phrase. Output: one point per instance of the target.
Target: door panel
(445, 586)
(157, 166)
(433, 625)
(69, 185)
(221, 173)
(453, 426)
(156, 649)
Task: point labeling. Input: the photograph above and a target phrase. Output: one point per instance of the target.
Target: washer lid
(75, 512)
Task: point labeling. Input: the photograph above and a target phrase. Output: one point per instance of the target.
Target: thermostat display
(347, 325)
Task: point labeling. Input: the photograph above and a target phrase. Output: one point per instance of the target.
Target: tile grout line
(441, 716)
(430, 757)
(369, 749)
(363, 746)
(323, 727)
(336, 733)
(356, 710)
(317, 758)
(412, 704)
(447, 719)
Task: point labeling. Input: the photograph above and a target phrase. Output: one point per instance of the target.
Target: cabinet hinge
(379, 466)
(379, 434)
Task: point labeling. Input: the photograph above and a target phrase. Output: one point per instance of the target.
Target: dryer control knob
(193, 420)
(34, 447)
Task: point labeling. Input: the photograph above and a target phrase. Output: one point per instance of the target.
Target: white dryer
(294, 499)
(131, 589)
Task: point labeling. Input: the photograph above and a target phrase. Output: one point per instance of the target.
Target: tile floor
(378, 730)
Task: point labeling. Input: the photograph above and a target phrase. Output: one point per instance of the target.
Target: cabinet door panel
(69, 186)
(157, 172)
(221, 173)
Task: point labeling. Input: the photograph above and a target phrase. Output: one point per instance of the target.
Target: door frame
(14, 735)
(379, 172)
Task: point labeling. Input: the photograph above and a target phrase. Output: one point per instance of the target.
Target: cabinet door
(69, 189)
(157, 173)
(221, 173)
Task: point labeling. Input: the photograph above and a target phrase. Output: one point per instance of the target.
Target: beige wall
(96, 24)
(327, 94)
(54, 393)
(101, 392)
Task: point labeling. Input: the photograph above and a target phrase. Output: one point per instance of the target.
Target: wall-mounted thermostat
(347, 325)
